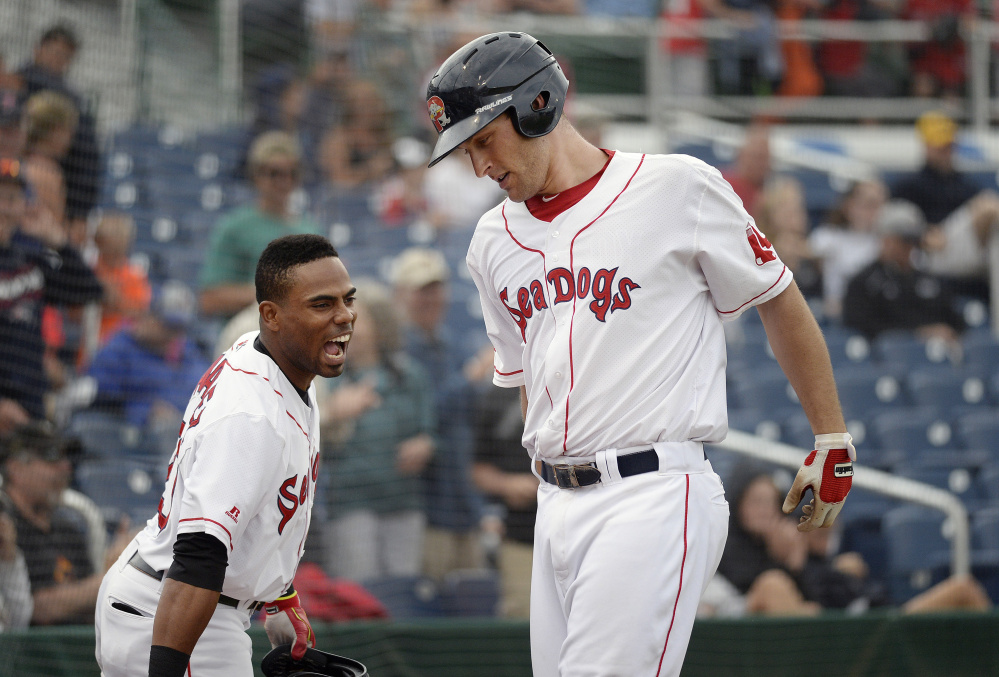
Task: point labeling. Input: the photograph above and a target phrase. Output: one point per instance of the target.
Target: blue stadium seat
(766, 388)
(911, 429)
(904, 349)
(918, 551)
(981, 351)
(846, 347)
(821, 192)
(407, 597)
(755, 422)
(947, 388)
(470, 593)
(988, 481)
(955, 477)
(123, 486)
(980, 430)
(104, 435)
(867, 390)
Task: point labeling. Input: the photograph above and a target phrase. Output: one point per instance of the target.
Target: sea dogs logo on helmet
(436, 108)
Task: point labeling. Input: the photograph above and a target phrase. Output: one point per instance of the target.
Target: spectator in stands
(502, 472)
(52, 120)
(764, 552)
(238, 239)
(146, 372)
(454, 506)
(16, 605)
(938, 65)
(36, 471)
(751, 61)
(280, 98)
(358, 152)
(126, 287)
(769, 568)
(455, 197)
(848, 66)
(891, 293)
(39, 266)
(783, 217)
(846, 241)
(752, 167)
(12, 127)
(380, 426)
(937, 188)
(53, 56)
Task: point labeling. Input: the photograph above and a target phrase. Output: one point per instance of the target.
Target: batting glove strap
(286, 622)
(836, 441)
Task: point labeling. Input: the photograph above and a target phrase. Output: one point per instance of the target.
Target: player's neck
(574, 160)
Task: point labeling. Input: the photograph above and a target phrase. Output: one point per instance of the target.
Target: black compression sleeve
(167, 662)
(199, 559)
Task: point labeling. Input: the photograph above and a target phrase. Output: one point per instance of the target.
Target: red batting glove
(286, 622)
(828, 470)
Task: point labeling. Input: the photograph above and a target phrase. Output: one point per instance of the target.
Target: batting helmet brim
(278, 663)
(454, 136)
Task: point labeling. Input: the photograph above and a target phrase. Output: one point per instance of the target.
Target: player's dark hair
(60, 32)
(273, 274)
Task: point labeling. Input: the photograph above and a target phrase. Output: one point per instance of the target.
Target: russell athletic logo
(233, 513)
(600, 285)
(436, 107)
(762, 248)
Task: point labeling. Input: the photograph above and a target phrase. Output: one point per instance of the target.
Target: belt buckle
(565, 475)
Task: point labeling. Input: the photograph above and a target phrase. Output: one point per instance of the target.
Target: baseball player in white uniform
(604, 279)
(230, 528)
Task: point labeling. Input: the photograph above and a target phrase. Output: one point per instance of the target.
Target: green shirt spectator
(275, 167)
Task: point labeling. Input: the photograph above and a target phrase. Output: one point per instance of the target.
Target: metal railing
(876, 481)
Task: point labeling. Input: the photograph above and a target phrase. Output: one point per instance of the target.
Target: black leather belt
(566, 476)
(144, 567)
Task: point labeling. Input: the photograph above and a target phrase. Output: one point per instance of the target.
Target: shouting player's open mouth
(335, 350)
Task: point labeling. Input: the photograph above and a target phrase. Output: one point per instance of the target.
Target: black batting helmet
(315, 663)
(489, 76)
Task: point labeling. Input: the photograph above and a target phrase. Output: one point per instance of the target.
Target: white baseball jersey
(244, 471)
(611, 315)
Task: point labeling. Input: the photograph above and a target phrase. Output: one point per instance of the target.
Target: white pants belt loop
(677, 458)
(606, 462)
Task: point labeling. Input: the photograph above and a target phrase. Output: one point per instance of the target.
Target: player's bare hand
(12, 415)
(828, 472)
(350, 401)
(123, 535)
(414, 454)
(520, 491)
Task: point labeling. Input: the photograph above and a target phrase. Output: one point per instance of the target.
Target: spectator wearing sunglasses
(275, 164)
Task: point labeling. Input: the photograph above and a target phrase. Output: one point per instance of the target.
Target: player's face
(517, 163)
(315, 321)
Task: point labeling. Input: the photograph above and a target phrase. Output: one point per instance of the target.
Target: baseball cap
(901, 218)
(11, 111)
(174, 304)
(12, 171)
(37, 439)
(419, 266)
(936, 128)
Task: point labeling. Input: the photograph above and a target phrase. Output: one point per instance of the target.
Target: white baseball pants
(619, 568)
(123, 639)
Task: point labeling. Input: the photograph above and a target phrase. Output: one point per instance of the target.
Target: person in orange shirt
(126, 288)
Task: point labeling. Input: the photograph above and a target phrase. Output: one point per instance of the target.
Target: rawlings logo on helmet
(436, 107)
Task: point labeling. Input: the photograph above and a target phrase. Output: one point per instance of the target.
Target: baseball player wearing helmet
(604, 280)
(230, 527)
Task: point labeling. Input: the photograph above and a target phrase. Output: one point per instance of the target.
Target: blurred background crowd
(127, 253)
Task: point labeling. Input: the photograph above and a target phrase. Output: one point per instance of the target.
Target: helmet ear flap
(532, 121)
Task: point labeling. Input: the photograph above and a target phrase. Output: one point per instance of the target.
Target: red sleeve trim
(218, 524)
(750, 301)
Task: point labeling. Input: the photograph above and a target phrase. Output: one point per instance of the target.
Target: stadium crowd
(118, 288)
